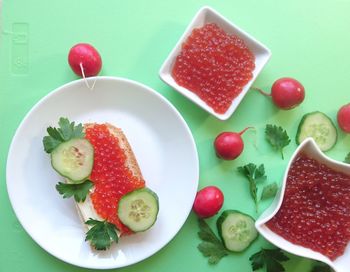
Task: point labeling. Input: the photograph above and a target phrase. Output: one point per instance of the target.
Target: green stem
(253, 192)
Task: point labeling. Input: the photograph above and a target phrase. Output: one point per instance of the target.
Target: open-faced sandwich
(101, 172)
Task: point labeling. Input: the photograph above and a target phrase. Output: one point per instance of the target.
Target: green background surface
(309, 40)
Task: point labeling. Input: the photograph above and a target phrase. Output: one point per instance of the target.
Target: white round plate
(164, 148)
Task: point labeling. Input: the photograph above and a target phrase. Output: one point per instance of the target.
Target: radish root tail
(254, 138)
(85, 80)
(260, 91)
(244, 130)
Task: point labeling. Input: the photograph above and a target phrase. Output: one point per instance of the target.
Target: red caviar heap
(214, 65)
(111, 177)
(315, 212)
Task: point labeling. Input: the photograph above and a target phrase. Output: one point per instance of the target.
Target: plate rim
(42, 101)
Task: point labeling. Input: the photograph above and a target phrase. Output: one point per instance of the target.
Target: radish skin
(208, 201)
(229, 145)
(84, 60)
(343, 118)
(286, 93)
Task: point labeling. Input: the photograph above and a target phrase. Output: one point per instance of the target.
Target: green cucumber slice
(138, 209)
(73, 159)
(236, 229)
(318, 126)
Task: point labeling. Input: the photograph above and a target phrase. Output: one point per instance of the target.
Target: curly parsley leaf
(66, 131)
(50, 143)
(254, 174)
(321, 267)
(269, 191)
(79, 191)
(55, 134)
(269, 258)
(347, 158)
(211, 246)
(277, 137)
(101, 234)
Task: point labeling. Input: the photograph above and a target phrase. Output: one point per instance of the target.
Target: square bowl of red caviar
(310, 215)
(214, 63)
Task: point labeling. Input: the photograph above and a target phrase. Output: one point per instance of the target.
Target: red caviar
(315, 212)
(111, 177)
(214, 65)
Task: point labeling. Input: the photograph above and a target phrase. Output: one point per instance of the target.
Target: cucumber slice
(236, 229)
(318, 126)
(138, 209)
(73, 159)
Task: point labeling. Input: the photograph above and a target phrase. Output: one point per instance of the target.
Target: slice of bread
(86, 209)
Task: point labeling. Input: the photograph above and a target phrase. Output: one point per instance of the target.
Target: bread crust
(86, 209)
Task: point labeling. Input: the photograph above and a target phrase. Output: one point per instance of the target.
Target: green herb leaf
(78, 131)
(79, 191)
(250, 170)
(321, 267)
(212, 252)
(259, 174)
(54, 133)
(269, 258)
(347, 158)
(269, 191)
(206, 234)
(211, 246)
(254, 174)
(66, 131)
(102, 234)
(50, 143)
(277, 137)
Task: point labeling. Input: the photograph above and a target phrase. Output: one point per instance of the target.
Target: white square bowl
(208, 15)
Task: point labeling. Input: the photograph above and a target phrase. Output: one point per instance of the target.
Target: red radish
(343, 118)
(229, 145)
(84, 60)
(286, 93)
(208, 201)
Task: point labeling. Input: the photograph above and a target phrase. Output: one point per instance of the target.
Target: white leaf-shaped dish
(309, 148)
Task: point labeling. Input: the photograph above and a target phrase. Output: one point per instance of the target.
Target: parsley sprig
(321, 267)
(270, 259)
(269, 191)
(79, 191)
(101, 234)
(211, 246)
(277, 137)
(347, 158)
(254, 174)
(67, 130)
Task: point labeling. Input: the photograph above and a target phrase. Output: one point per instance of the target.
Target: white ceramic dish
(310, 148)
(161, 141)
(208, 15)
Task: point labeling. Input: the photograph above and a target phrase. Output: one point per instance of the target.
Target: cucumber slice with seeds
(236, 229)
(138, 209)
(318, 126)
(73, 159)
